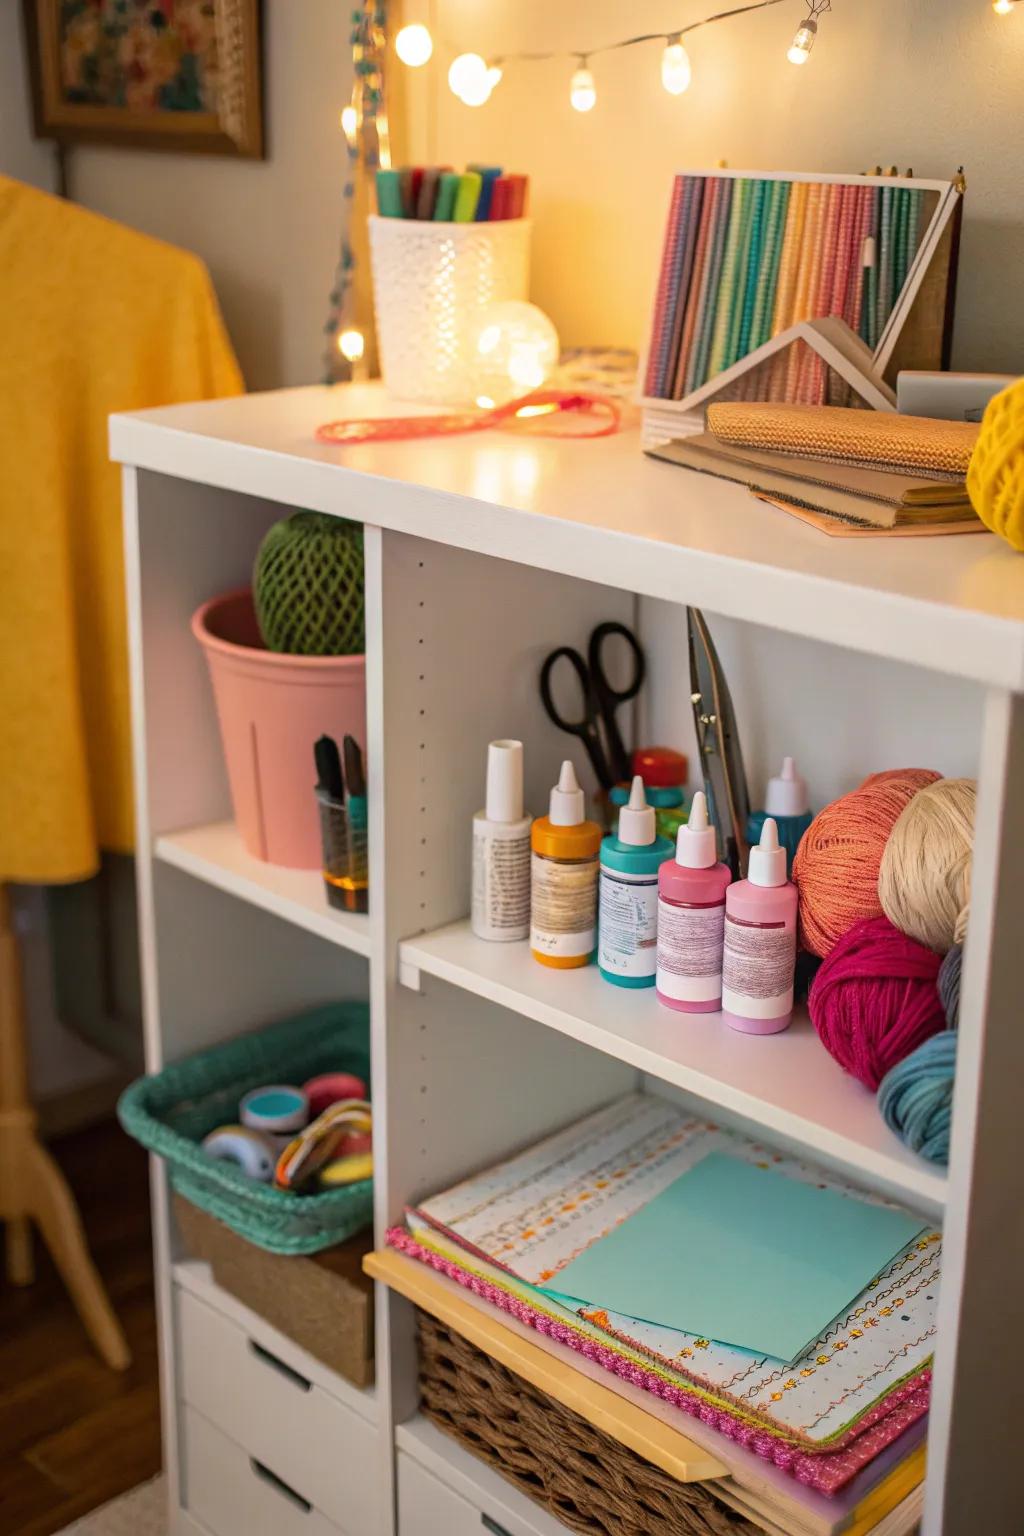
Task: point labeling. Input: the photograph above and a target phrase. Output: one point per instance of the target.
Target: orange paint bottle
(564, 862)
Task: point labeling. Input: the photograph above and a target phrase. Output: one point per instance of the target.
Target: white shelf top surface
(601, 510)
(787, 1083)
(216, 854)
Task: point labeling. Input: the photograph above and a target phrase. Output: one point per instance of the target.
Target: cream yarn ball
(924, 883)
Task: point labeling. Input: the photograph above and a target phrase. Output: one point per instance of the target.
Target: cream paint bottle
(501, 850)
(760, 942)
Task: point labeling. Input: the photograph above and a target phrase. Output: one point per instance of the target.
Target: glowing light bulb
(803, 42)
(494, 75)
(513, 347)
(1004, 7)
(414, 45)
(582, 90)
(467, 79)
(352, 345)
(675, 68)
(348, 123)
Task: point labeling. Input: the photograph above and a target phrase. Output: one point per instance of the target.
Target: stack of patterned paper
(521, 1234)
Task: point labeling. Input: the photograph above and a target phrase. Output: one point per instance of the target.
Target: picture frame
(176, 75)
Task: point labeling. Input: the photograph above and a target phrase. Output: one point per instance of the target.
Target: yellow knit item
(94, 318)
(995, 477)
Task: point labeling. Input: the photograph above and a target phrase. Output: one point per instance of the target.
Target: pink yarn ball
(875, 999)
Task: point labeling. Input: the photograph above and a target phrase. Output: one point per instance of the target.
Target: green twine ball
(308, 586)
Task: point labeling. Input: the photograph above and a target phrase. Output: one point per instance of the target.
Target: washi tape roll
(250, 1150)
(331, 1088)
(316, 1146)
(277, 1108)
(346, 1170)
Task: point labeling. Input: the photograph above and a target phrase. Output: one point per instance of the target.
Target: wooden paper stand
(32, 1187)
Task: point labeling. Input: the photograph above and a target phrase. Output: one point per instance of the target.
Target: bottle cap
(637, 824)
(786, 794)
(661, 767)
(767, 864)
(696, 847)
(568, 807)
(505, 781)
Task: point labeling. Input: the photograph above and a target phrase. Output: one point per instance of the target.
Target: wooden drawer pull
(279, 1485)
(493, 1526)
(295, 1377)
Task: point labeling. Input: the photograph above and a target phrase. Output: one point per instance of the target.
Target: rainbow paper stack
(745, 258)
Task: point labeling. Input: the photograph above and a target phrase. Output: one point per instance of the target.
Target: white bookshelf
(481, 554)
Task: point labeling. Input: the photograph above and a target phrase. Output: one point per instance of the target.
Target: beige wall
(268, 230)
(928, 83)
(932, 84)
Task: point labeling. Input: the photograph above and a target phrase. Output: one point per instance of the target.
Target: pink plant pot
(271, 709)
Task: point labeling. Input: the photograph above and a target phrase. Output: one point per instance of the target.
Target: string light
(349, 123)
(473, 79)
(1004, 7)
(799, 50)
(582, 90)
(675, 67)
(352, 344)
(414, 45)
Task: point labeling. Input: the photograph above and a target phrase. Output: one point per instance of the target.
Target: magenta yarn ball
(875, 999)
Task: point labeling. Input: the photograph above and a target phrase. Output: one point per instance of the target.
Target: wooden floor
(73, 1433)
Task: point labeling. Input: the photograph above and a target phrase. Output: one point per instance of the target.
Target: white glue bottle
(760, 942)
(501, 850)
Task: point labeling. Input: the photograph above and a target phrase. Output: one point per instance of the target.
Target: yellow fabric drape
(94, 318)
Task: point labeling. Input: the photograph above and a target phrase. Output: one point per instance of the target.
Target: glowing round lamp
(414, 45)
(514, 349)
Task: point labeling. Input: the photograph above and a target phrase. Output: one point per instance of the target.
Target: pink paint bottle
(691, 918)
(760, 942)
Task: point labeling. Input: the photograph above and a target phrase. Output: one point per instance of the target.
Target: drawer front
(230, 1492)
(427, 1508)
(309, 1439)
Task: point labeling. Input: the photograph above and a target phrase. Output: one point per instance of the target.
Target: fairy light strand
(472, 79)
(364, 123)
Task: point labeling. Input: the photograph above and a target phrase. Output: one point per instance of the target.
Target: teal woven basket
(171, 1111)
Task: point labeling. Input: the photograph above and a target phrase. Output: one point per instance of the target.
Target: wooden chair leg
(53, 1207)
(32, 1187)
(21, 1268)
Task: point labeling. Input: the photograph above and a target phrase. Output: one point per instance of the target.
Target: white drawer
(232, 1493)
(276, 1415)
(427, 1508)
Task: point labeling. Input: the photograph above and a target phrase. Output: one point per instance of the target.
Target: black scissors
(597, 727)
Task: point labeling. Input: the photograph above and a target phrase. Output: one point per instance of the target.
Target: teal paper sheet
(742, 1255)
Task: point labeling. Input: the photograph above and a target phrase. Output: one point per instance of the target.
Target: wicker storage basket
(585, 1478)
(171, 1111)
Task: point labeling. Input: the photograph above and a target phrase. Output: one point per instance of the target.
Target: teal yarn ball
(308, 586)
(916, 1097)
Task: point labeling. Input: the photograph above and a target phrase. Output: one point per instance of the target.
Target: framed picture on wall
(180, 75)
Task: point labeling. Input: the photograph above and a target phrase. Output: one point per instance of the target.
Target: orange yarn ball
(836, 866)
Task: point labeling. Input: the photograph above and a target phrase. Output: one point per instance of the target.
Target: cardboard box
(324, 1301)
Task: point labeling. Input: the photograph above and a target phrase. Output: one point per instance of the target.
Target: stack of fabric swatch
(658, 1217)
(746, 258)
(871, 468)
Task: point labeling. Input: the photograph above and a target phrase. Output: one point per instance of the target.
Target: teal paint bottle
(627, 924)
